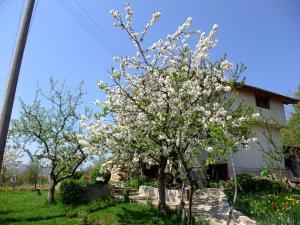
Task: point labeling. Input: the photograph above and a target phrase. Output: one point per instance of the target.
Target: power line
(85, 24)
(89, 28)
(108, 39)
(75, 17)
(82, 17)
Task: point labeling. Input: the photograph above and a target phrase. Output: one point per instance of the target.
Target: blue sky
(265, 35)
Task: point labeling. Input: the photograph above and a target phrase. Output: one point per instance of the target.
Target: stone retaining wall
(98, 191)
(171, 195)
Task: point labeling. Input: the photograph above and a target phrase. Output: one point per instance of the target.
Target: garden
(76, 204)
(266, 201)
(165, 119)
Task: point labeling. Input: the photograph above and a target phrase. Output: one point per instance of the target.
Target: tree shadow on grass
(5, 212)
(100, 205)
(6, 221)
(148, 216)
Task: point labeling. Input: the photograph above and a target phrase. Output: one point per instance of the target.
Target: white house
(252, 160)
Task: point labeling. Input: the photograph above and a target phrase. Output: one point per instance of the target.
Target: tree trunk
(42, 182)
(191, 203)
(183, 217)
(3, 178)
(235, 189)
(51, 191)
(188, 173)
(182, 204)
(35, 182)
(162, 207)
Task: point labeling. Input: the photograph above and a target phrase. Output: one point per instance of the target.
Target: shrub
(169, 178)
(71, 191)
(246, 183)
(101, 176)
(126, 194)
(84, 218)
(77, 175)
(264, 185)
(136, 182)
(270, 186)
(264, 172)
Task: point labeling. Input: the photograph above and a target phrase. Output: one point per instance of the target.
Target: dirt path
(210, 204)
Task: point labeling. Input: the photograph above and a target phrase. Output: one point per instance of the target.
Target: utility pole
(12, 82)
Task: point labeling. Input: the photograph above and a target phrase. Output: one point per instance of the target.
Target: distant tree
(291, 133)
(34, 172)
(34, 169)
(50, 124)
(11, 164)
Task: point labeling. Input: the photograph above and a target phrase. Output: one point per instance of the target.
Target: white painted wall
(252, 160)
(276, 107)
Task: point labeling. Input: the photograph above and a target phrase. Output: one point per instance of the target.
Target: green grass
(269, 208)
(26, 207)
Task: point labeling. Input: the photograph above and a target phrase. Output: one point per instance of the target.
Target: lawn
(26, 207)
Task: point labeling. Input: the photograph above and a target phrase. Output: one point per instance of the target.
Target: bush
(84, 218)
(270, 186)
(77, 175)
(246, 183)
(264, 172)
(101, 176)
(169, 178)
(71, 191)
(136, 182)
(264, 185)
(126, 194)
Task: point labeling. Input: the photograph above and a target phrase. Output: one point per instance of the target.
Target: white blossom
(167, 95)
(225, 65)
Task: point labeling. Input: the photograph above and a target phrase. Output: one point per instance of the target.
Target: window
(262, 102)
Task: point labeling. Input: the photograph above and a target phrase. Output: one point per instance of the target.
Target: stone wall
(98, 191)
(172, 196)
(120, 172)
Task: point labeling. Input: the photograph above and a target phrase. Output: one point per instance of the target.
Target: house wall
(276, 107)
(252, 160)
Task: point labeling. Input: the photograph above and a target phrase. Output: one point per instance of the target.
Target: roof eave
(259, 91)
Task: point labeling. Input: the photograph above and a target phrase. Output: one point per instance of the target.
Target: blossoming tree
(169, 102)
(11, 165)
(49, 132)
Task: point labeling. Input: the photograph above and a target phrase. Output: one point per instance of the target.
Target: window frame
(262, 101)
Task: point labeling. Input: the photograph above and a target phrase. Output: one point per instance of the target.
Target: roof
(259, 91)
